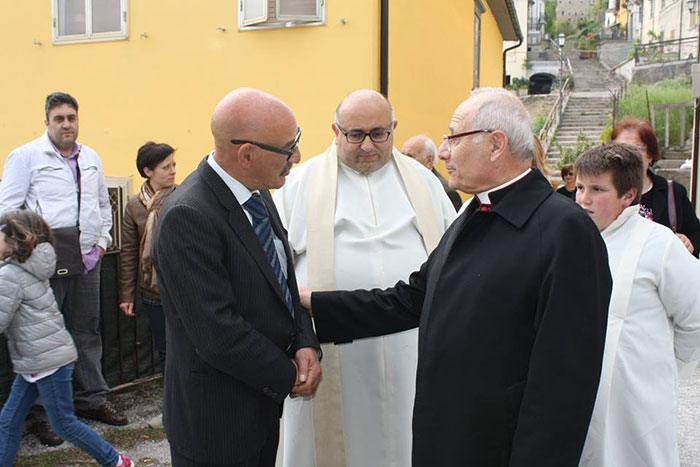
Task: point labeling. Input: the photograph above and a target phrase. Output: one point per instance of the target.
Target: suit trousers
(78, 298)
(264, 458)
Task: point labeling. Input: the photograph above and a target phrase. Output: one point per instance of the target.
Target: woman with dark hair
(663, 201)
(569, 188)
(155, 163)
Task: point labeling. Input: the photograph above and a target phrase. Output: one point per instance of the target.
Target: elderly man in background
(238, 343)
(361, 215)
(512, 319)
(422, 149)
(63, 181)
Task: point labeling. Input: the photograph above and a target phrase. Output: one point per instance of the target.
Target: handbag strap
(78, 187)
(672, 207)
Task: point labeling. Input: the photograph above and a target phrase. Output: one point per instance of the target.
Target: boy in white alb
(653, 321)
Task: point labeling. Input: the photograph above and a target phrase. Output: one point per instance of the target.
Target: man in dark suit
(238, 343)
(422, 149)
(511, 307)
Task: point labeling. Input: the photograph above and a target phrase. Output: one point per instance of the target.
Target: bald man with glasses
(360, 215)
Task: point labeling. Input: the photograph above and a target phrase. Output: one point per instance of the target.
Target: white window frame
(280, 21)
(89, 36)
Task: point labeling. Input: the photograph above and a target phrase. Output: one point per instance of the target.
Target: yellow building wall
(165, 86)
(431, 56)
(491, 52)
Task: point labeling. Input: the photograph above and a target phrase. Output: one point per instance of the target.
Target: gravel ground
(140, 406)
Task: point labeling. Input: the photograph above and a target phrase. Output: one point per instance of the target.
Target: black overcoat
(230, 334)
(687, 222)
(512, 312)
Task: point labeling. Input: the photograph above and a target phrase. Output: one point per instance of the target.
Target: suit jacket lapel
(240, 225)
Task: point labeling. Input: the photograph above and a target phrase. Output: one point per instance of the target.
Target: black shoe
(46, 435)
(104, 413)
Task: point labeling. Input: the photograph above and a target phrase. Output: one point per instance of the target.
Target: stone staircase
(585, 115)
(588, 109)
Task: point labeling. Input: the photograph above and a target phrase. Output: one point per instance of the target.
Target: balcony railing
(666, 51)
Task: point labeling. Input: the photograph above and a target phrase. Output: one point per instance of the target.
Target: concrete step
(668, 164)
(675, 153)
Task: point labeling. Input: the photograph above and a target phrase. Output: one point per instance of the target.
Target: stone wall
(655, 72)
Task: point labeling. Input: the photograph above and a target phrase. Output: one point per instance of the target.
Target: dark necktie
(263, 229)
(484, 207)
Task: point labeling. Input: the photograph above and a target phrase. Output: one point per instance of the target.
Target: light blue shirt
(242, 195)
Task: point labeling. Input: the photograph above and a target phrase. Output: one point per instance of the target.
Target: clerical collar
(494, 195)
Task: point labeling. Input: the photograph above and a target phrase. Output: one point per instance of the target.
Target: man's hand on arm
(308, 372)
(305, 298)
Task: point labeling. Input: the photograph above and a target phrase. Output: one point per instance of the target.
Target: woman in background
(155, 163)
(663, 201)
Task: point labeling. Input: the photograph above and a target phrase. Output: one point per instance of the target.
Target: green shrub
(538, 124)
(634, 104)
(568, 155)
(518, 83)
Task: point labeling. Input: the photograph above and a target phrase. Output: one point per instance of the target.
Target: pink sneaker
(125, 461)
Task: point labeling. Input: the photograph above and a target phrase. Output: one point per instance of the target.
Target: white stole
(320, 251)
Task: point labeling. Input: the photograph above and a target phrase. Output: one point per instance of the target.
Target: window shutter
(253, 11)
(299, 9)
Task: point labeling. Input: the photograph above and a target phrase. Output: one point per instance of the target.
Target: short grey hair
(430, 147)
(505, 112)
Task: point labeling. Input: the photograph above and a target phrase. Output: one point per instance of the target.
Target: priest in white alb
(361, 215)
(653, 320)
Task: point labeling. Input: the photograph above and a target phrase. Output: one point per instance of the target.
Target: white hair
(430, 148)
(505, 112)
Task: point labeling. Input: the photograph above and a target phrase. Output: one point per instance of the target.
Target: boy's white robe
(634, 424)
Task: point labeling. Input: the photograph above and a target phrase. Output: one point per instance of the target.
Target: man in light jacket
(63, 181)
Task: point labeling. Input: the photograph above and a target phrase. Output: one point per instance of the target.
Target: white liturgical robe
(655, 325)
(377, 243)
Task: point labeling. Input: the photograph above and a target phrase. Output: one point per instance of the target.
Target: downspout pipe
(520, 42)
(514, 18)
(384, 50)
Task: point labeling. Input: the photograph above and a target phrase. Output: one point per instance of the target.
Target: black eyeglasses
(376, 135)
(287, 152)
(449, 139)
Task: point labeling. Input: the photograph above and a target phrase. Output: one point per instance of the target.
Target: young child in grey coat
(41, 348)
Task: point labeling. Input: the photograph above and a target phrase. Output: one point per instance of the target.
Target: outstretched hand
(308, 372)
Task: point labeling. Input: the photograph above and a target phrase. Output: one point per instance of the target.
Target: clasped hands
(306, 360)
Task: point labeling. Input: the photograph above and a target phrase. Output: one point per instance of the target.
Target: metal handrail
(553, 119)
(664, 51)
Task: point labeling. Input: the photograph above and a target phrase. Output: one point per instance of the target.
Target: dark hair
(623, 161)
(59, 98)
(151, 154)
(566, 169)
(645, 133)
(24, 230)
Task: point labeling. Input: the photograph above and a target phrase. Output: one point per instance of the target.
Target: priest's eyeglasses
(451, 139)
(376, 135)
(289, 152)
